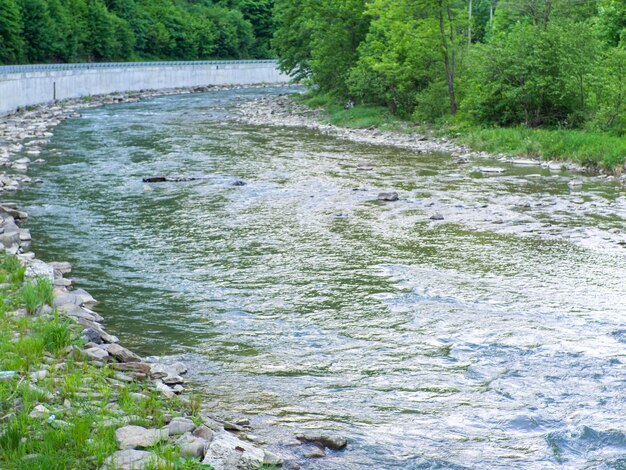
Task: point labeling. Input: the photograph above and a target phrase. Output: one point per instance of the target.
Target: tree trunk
(449, 64)
(469, 24)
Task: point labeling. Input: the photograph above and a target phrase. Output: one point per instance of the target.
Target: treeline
(538, 63)
(43, 31)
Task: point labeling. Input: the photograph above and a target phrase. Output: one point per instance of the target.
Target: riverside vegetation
(526, 77)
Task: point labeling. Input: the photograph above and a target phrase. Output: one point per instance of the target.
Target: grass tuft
(36, 293)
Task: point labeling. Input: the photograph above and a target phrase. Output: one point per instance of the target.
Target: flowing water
(495, 338)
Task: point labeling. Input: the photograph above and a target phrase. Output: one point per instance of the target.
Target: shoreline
(283, 111)
(194, 434)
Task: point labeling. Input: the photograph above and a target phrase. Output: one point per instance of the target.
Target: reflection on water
(492, 339)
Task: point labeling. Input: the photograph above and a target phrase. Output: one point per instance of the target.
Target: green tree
(38, 31)
(11, 42)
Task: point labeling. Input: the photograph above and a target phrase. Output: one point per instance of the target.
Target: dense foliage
(536, 63)
(36, 31)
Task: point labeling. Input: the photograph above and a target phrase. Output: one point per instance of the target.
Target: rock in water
(332, 441)
(391, 196)
(436, 216)
(491, 169)
(156, 179)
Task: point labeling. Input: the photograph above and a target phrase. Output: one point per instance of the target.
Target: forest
(557, 64)
(53, 31)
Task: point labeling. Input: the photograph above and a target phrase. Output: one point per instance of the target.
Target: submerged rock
(491, 169)
(390, 196)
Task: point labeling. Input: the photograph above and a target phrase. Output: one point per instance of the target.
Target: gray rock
(491, 169)
(204, 432)
(131, 459)
(227, 452)
(75, 311)
(315, 453)
(525, 162)
(121, 353)
(332, 441)
(92, 336)
(39, 411)
(168, 373)
(132, 437)
(180, 426)
(192, 446)
(96, 354)
(38, 268)
(436, 216)
(97, 327)
(173, 380)
(272, 459)
(391, 196)
(166, 391)
(61, 267)
(39, 375)
(77, 297)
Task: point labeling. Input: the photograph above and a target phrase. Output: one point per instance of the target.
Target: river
(495, 338)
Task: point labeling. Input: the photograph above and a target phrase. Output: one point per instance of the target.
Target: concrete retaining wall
(31, 85)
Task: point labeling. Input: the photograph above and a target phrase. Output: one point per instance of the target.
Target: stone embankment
(209, 441)
(284, 111)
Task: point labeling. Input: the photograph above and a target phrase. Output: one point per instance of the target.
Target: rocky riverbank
(284, 111)
(172, 427)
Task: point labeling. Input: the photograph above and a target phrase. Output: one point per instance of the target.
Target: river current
(495, 338)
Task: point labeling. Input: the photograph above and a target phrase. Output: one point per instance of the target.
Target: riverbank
(72, 396)
(574, 151)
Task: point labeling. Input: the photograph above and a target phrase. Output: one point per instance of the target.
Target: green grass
(360, 117)
(80, 396)
(36, 293)
(595, 149)
(584, 147)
